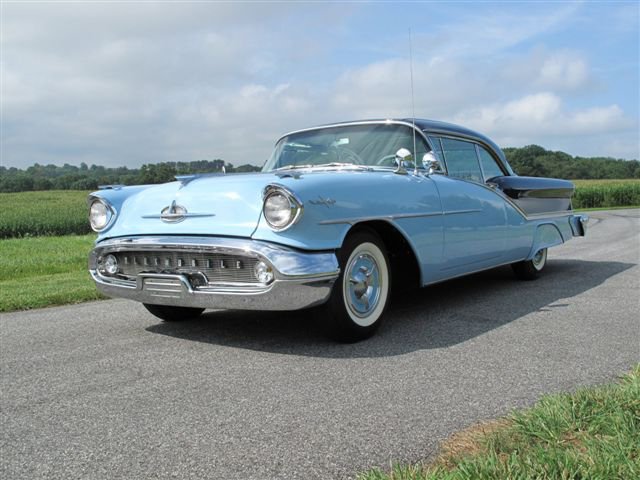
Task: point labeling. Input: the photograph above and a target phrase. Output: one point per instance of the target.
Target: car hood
(228, 205)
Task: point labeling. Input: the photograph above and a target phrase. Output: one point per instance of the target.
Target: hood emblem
(176, 213)
(173, 213)
(327, 202)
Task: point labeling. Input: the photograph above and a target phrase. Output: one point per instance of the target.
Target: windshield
(373, 145)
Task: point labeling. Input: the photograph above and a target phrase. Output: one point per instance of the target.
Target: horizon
(90, 83)
(234, 165)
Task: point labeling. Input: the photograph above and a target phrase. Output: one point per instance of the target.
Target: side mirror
(404, 157)
(431, 163)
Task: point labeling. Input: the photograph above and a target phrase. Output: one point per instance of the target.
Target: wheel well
(404, 265)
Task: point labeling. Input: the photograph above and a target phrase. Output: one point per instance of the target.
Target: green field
(591, 434)
(53, 212)
(606, 193)
(41, 271)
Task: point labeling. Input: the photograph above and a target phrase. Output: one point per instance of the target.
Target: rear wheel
(361, 293)
(173, 314)
(530, 269)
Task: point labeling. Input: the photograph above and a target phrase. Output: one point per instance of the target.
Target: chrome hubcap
(539, 259)
(363, 285)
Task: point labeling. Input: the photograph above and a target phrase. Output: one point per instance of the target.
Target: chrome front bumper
(301, 279)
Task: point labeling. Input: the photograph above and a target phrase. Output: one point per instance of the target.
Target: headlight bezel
(296, 207)
(110, 213)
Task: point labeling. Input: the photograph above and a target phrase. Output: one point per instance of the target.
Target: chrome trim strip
(457, 212)
(179, 215)
(354, 220)
(361, 122)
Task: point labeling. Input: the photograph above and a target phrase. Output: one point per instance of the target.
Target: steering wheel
(346, 155)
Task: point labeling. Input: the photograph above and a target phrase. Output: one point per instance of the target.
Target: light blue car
(338, 216)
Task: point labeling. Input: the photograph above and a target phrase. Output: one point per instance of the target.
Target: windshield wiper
(340, 164)
(324, 165)
(291, 167)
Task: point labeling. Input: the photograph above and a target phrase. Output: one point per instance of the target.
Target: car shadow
(436, 316)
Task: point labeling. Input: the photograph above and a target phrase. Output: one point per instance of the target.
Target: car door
(474, 217)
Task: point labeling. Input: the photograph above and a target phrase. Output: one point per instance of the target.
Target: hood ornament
(173, 213)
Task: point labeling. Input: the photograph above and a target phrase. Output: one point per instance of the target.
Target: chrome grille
(218, 268)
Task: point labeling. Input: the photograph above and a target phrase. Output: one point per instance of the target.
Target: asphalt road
(104, 390)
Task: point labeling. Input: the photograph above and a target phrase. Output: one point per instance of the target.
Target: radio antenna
(413, 107)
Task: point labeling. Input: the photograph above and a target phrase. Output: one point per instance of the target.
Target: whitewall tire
(361, 294)
(531, 269)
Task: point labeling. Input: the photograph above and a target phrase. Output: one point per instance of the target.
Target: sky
(127, 83)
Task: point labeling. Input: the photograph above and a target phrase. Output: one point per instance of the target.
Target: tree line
(535, 161)
(531, 160)
(84, 177)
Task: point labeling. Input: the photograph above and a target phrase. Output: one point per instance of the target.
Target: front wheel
(173, 314)
(361, 293)
(530, 269)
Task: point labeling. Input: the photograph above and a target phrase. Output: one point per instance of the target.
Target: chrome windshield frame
(415, 128)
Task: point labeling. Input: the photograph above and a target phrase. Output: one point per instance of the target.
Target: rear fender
(547, 235)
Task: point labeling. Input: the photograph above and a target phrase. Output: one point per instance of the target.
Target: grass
(42, 271)
(598, 209)
(593, 433)
(53, 212)
(606, 181)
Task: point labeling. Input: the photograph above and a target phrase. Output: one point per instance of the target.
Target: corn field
(606, 193)
(52, 212)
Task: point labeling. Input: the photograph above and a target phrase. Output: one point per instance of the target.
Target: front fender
(335, 201)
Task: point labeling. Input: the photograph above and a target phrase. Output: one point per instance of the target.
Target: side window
(489, 165)
(437, 149)
(462, 161)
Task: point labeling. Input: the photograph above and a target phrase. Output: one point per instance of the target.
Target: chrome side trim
(457, 212)
(354, 220)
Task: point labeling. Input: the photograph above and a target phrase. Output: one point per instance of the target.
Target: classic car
(338, 215)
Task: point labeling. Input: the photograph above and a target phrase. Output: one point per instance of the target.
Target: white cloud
(543, 119)
(132, 83)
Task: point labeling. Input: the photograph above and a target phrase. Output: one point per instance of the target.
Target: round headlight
(111, 265)
(99, 215)
(280, 209)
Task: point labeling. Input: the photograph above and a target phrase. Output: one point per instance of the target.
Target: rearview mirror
(431, 163)
(404, 158)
